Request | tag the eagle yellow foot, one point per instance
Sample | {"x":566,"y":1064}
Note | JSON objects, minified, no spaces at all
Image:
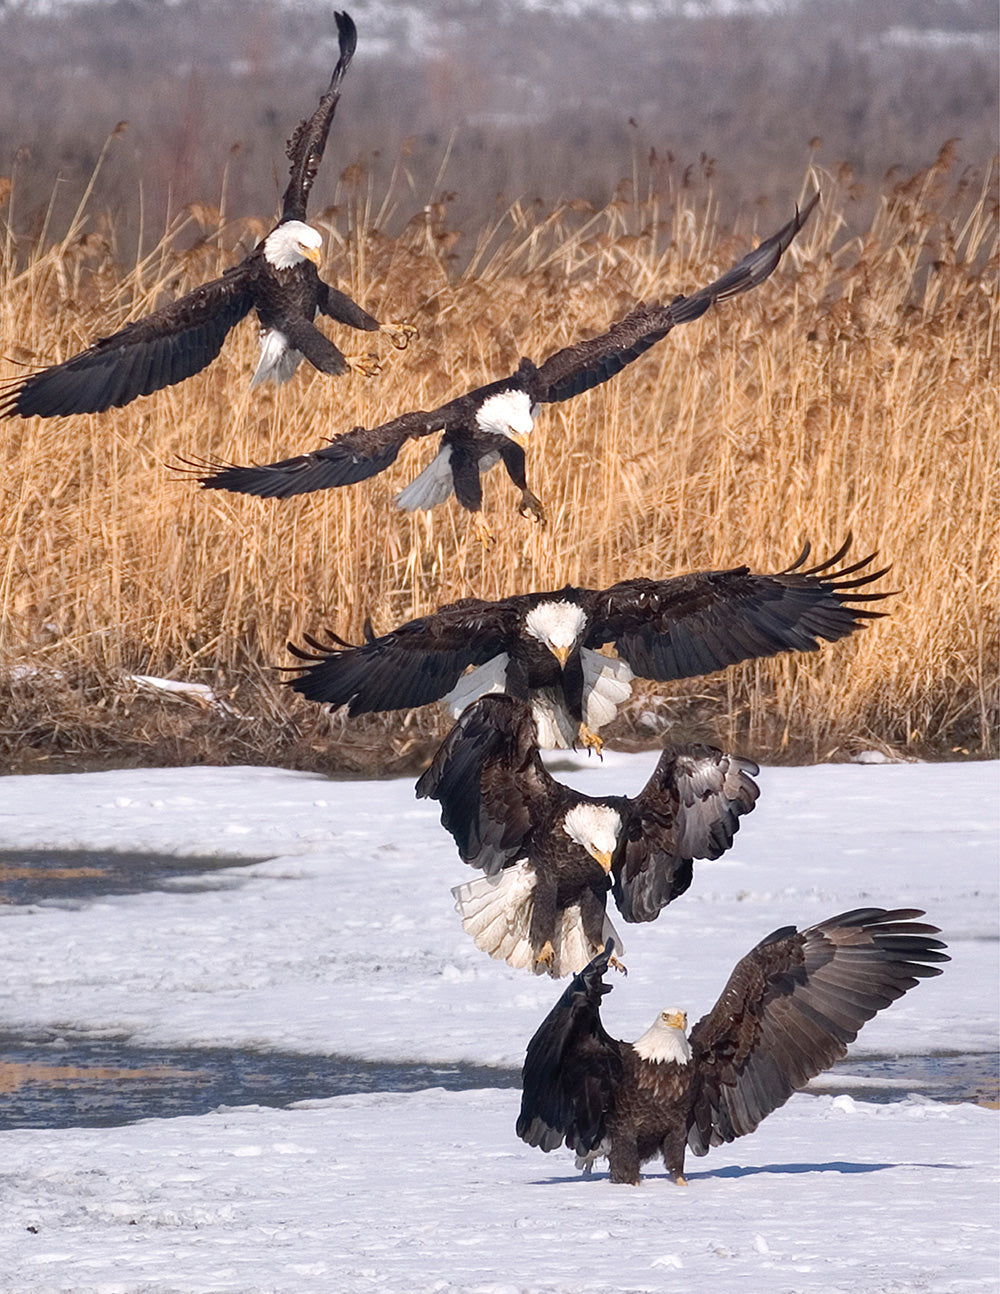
{"x":679,"y":1179}
{"x":546,"y":954}
{"x":400,"y":334}
{"x":483,"y":533}
{"x":368,"y":365}
{"x":591,"y":740}
{"x":613,"y":961}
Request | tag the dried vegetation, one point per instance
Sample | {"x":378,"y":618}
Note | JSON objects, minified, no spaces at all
{"x":855,"y":391}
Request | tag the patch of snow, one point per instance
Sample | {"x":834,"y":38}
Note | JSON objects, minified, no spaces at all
{"x":345,"y":941}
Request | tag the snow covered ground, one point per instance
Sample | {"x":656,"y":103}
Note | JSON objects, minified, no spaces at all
{"x":344,"y":941}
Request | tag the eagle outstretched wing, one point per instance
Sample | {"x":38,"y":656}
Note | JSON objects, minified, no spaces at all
{"x":490,"y":781}
{"x":587,"y":364}
{"x":701,"y":622}
{"x":572,"y":1068}
{"x":347,"y":459}
{"x":690,"y":808}
{"x":415,"y":664}
{"x":167,"y":346}
{"x":305,"y":148}
{"x":790,"y":1008}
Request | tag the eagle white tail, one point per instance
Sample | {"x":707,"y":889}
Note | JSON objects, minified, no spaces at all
{"x":607,"y":683}
{"x":278,"y":361}
{"x":490,"y":677}
{"x":556,"y":730}
{"x":496,"y":912}
{"x":431,"y":487}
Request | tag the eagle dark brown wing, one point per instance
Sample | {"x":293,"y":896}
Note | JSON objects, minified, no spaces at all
{"x":587,"y":364}
{"x":791,"y":1007}
{"x":572,"y":1068}
{"x":305,"y":148}
{"x":415,"y":664}
{"x":698,"y":623}
{"x":349,"y":458}
{"x":490,"y":781}
{"x":690,"y":808}
{"x":165,"y":347}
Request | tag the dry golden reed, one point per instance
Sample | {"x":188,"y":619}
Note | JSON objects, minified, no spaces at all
{"x":855,"y":391}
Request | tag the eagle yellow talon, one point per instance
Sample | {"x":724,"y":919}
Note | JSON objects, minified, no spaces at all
{"x":591,"y":741}
{"x":368,"y":365}
{"x":546,"y":953}
{"x":613,"y":961}
{"x":484,"y":534}
{"x":400,"y":334}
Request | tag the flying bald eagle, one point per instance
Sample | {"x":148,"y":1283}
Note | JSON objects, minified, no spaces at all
{"x":788,"y":1012}
{"x":278,"y":280}
{"x":551,"y":854}
{"x":493,"y":423}
{"x":542,"y":647}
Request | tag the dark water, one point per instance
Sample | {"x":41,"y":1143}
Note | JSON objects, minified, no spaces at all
{"x":99,"y":1082}
{"x":82,"y":1081}
{"x":73,"y":877}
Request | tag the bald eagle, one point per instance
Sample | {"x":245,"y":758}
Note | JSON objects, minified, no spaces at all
{"x":493,"y":423}
{"x":542,"y":647}
{"x":278,"y":280}
{"x":788,"y":1012}
{"x":551,"y":854}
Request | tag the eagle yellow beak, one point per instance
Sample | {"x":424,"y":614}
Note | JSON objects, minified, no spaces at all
{"x":313,"y":254}
{"x":560,"y":653}
{"x":676,"y":1020}
{"x":520,"y":439}
{"x":603,"y":856}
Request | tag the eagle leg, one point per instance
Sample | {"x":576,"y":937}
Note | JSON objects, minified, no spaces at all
{"x":613,"y":961}
{"x":623,"y":1161}
{"x":531,"y":506}
{"x":400,"y":334}
{"x":590,"y":740}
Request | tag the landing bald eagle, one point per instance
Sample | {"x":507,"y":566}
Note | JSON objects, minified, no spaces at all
{"x":788,"y":1012}
{"x":493,"y":422}
{"x":551,"y":854}
{"x":278,"y":280}
{"x":542,"y":647}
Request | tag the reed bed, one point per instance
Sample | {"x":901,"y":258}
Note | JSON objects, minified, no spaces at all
{"x":854,"y":392}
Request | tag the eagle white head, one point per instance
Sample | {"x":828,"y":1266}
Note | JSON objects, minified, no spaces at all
{"x":666,"y":1038}
{"x":508,"y":413}
{"x":596,"y":827}
{"x":291,"y":243}
{"x":559,"y":625}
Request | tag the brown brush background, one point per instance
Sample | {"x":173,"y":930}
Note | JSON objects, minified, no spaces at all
{"x":854,"y":391}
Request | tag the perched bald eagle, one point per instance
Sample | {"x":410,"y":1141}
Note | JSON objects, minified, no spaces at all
{"x":788,"y":1012}
{"x":542,"y":647}
{"x":551,"y":854}
{"x":278,"y":280}
{"x":493,"y":423}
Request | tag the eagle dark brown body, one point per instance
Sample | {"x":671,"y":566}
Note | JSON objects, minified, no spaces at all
{"x":185,"y":336}
{"x":790,"y":1008}
{"x":491,"y":423}
{"x":566,"y":850}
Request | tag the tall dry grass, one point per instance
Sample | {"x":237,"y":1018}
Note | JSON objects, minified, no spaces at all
{"x":855,"y":391}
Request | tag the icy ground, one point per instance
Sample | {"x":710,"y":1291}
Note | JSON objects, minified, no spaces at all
{"x":344,"y":942}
